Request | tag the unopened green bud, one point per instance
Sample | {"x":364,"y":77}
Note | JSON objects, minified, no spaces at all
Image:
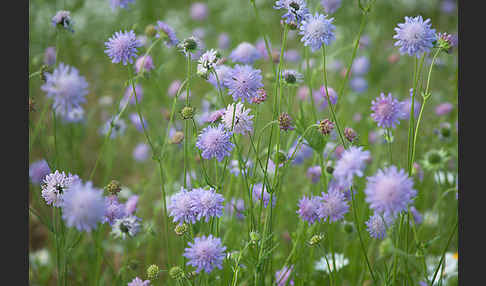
{"x":150,"y":30}
{"x":316,"y":239}
{"x":181,"y":229}
{"x":348,"y":227}
{"x":114,"y":187}
{"x":187,"y":112}
{"x":254,"y":237}
{"x":153,"y":272}
{"x":176,"y":273}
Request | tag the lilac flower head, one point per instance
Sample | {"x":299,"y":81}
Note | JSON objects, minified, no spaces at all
{"x":317,"y":30}
{"x":389,"y":191}
{"x":207,"y":204}
{"x":333,"y":206}
{"x":262,"y":48}
{"x":245,"y":53}
{"x":292,"y":56}
{"x":66,"y":87}
{"x":283,"y":275}
{"x":205,"y":253}
{"x":180,"y":207}
{"x":448,"y":6}
{"x":214,"y":142}
{"x":131,"y":204}
{"x":238,"y":118}
{"x":83,"y":206}
{"x":302,"y":153}
{"x":222,"y":71}
{"x":296,"y":10}
{"x":122,"y":47}
{"x":215,"y":115}
{"x":243,"y":82}
{"x":358,"y":84}
{"x":223,"y":41}
{"x":377,"y":225}
{"x":314,"y":173}
{"x":56,"y":185}
{"x":257,"y":195}
{"x":387,"y":111}
{"x":127,"y":226}
{"x":120,"y":4}
{"x":320,"y":97}
{"x":139,"y":282}
{"x":330,"y":6}
{"x":351,"y":163}
{"x":308,"y":209}
{"x":118,"y":128}
{"x":114,"y":209}
{"x":199,"y":11}
{"x":38,"y":171}
{"x":144,"y":64}
{"x":135,"y":119}
{"x":360,"y":66}
{"x":141,"y":152}
{"x":129,"y":96}
{"x":208,"y":62}
{"x":236,"y":207}
{"x":444,"y":108}
{"x":166,"y":31}
{"x":50,"y":56}
{"x":407,"y":104}
{"x":415,"y":36}
{"x":63,"y":19}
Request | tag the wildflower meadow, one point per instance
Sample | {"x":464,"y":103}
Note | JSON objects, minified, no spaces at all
{"x":243,"y":142}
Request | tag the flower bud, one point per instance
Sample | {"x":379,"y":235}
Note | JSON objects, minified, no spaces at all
{"x":316,"y":239}
{"x":181,"y":229}
{"x":114,"y":187}
{"x":153,"y":272}
{"x":326,"y":126}
{"x":176,"y":273}
{"x":187,"y":112}
{"x":150,"y":30}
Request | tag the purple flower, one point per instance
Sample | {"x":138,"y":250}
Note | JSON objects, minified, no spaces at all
{"x":122,"y":47}
{"x":415,"y":36}
{"x":314,"y":173}
{"x":131,"y":204}
{"x":56,"y":185}
{"x":66,"y":87}
{"x":243,"y":82}
{"x":296,"y":10}
{"x":139,"y":282}
{"x":258,"y":196}
{"x":333,"y":206}
{"x":308,"y":209}
{"x":135,"y":119}
{"x":237,"y":207}
{"x":223,"y":41}
{"x":245,"y":53}
{"x":129,"y":96}
{"x":141,"y":152}
{"x":205,"y":253}
{"x":320,"y":97}
{"x":351,"y":163}
{"x":120,"y":4}
{"x":387,"y":111}
{"x":444,"y":108}
{"x":261,"y":47}
{"x":330,"y":6}
{"x":38,"y":171}
{"x":377,"y":225}
{"x":180,"y":207}
{"x":222,"y":72}
{"x":83,"y":206}
{"x":173,"y":88}
{"x":360,"y":66}
{"x":358,"y":84}
{"x":63,"y":19}
{"x":417,"y":217}
{"x":282,"y":276}
{"x":407,"y":104}
{"x":50,"y":56}
{"x":214,"y":142}
{"x":199,"y":11}
{"x":238,"y":119}
{"x":292,"y":56}
{"x":114,"y":209}
{"x":144,"y":63}
{"x":448,"y":6}
{"x":389,"y":191}
{"x":317,"y":30}
{"x":168,"y":33}
{"x":207,"y":204}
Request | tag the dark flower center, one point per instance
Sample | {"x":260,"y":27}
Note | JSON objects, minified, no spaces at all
{"x":434,"y":158}
{"x":290,"y":78}
{"x":124,"y":228}
{"x":295,"y":6}
{"x":445,"y":132}
{"x":59,"y":189}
